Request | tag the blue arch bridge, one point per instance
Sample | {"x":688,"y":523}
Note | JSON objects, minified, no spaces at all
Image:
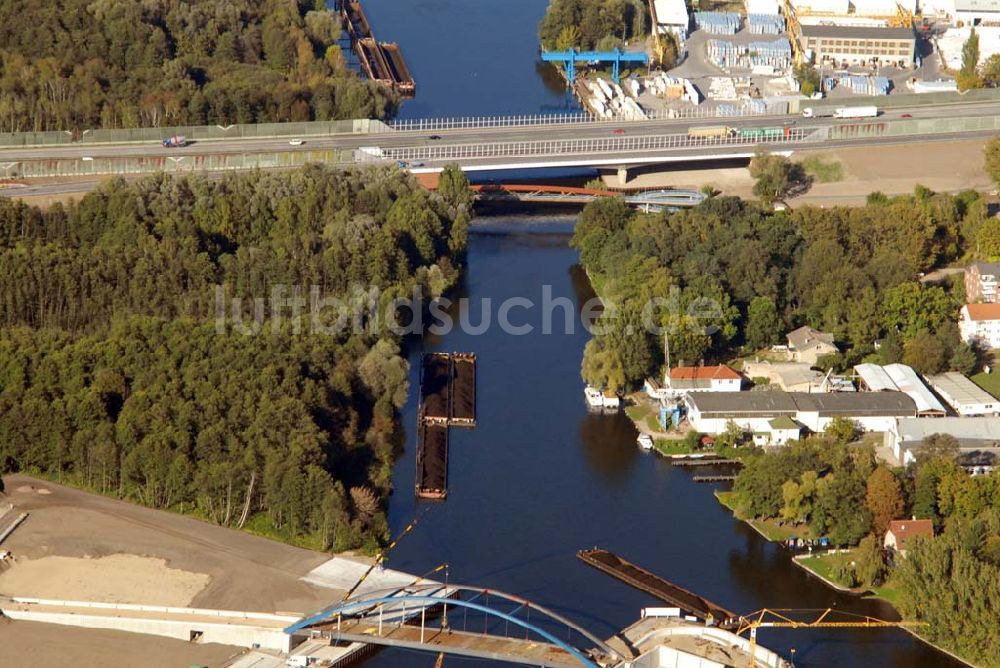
{"x":464,"y":620}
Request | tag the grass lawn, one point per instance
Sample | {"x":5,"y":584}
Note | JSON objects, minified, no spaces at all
{"x":667,"y":446}
{"x":889,"y":591}
{"x":823,"y":170}
{"x":989,"y":382}
{"x":772,"y":529}
{"x":823,"y":564}
{"x":728,"y":499}
{"x":639,"y":412}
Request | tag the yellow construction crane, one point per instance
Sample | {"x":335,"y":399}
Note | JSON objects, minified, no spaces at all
{"x":809,"y":619}
{"x":794,"y":32}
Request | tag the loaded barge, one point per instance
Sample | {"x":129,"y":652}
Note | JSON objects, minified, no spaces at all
{"x":447,"y":398}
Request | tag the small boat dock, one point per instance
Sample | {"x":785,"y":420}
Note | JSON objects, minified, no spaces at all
{"x":713,"y":478}
{"x":447,"y":399}
{"x":705,"y":461}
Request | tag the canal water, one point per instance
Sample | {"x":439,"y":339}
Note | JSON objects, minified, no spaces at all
{"x":539,"y":478}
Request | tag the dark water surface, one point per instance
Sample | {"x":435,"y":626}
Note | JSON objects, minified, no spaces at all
{"x":539,"y":478}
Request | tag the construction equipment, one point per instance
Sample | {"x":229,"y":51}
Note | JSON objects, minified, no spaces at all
{"x":809,"y":619}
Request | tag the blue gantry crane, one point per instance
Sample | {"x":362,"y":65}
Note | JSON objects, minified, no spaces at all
{"x":570,"y":58}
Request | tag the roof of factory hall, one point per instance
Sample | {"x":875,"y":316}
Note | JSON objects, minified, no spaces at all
{"x":857,"y":32}
{"x":775,"y":403}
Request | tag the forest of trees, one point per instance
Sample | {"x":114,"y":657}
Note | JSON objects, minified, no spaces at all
{"x":840,"y":491}
{"x":116,"y":375}
{"x":850,"y":271}
{"x":592,"y":24}
{"x":78,"y":64}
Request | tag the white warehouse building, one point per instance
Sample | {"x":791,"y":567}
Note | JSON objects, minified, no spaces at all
{"x":900,"y":378}
{"x":672,"y":17}
{"x":972,"y":433}
{"x":964,"y":396}
{"x":711,"y":412}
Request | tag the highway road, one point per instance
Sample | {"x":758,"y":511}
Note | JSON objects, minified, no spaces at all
{"x":593,"y":130}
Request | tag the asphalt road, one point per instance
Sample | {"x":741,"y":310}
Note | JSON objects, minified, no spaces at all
{"x":457,"y":137}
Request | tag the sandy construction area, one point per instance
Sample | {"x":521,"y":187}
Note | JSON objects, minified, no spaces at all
{"x":117,"y":578}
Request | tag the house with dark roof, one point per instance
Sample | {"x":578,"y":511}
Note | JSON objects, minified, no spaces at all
{"x":807,"y":345}
{"x":900,"y":533}
{"x":711,"y":412}
{"x":981,"y":282}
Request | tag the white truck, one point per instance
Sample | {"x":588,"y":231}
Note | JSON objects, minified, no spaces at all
{"x":840,"y":112}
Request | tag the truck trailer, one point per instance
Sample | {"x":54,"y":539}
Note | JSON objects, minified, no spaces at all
{"x":855,"y":112}
{"x":710,"y":131}
{"x":175,"y":141}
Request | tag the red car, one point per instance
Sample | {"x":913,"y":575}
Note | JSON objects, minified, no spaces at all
{"x":619,"y":131}
{"x":906,"y":116}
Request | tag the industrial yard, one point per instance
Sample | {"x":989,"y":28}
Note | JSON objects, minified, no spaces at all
{"x":759,"y":56}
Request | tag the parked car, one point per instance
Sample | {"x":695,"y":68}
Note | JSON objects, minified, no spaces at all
{"x":434,"y":137}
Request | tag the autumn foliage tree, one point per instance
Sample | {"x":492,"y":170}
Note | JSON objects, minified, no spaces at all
{"x":884,"y":499}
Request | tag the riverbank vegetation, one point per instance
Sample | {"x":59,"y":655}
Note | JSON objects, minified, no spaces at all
{"x":78,"y":64}
{"x":731,"y":276}
{"x":592,"y":24}
{"x":127,"y":365}
{"x":835,"y":490}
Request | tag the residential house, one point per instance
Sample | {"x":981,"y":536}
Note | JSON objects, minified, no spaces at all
{"x":980,"y":323}
{"x":807,"y":345}
{"x":683,"y":379}
{"x":981,"y":282}
{"x":779,"y":431}
{"x":900,"y":534}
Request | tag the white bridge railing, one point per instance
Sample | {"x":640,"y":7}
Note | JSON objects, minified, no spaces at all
{"x":605,"y":145}
{"x":571,"y":118}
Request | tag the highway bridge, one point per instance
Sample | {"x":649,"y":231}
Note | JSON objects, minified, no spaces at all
{"x":499,"y":145}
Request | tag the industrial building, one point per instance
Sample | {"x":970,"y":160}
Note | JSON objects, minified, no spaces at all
{"x":900,"y":378}
{"x":965,"y":397}
{"x":711,"y":412}
{"x":672,"y":17}
{"x":702,"y":379}
{"x":858,"y":44}
{"x":906,"y":435}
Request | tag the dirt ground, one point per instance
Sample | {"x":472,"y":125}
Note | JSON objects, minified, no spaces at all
{"x":116,"y":578}
{"x":136,"y":555}
{"x":893,"y":169}
{"x":243,"y":572}
{"x":37,"y":644}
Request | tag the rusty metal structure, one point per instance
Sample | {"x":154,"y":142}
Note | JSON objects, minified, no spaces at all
{"x":381,"y":62}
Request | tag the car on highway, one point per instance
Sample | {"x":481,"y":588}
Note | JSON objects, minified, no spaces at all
{"x":434,"y":137}
{"x":416,"y":163}
{"x":619,"y":131}
{"x":296,"y":142}
{"x":906,"y":116}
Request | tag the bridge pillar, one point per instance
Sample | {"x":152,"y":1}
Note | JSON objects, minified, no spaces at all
{"x":623,"y":176}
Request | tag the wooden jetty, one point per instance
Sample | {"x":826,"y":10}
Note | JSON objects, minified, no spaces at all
{"x":654,"y":585}
{"x":713,"y":478}
{"x":706,"y":461}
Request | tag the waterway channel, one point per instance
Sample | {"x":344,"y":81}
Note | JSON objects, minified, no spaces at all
{"x":539,"y":478}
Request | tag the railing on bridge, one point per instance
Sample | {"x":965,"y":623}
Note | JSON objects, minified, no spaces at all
{"x":463,"y":620}
{"x":534,"y":120}
{"x":604,"y":145}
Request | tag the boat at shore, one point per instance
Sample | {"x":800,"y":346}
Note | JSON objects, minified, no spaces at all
{"x":645,"y":441}
{"x":595,"y":398}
